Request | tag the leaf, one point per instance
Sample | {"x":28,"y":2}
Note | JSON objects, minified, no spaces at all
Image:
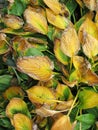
{"x":22,"y":122}
{"x":86,"y":118}
{"x":16,"y":105}
{"x":88,"y":99}
{"x":89,"y":27}
{"x":44,"y":112}
{"x":63,"y":92}
{"x":18,"y":7}
{"x":69,"y":42}
{"x":91,"y":4}
{"x":62,"y":123}
{"x":39,"y":67}
{"x":4,"y":48}
{"x":59,"y":54}
{"x":36,"y":20}
{"x":90,"y":46}
{"x":5,"y":81}
{"x":80,"y":3}
{"x":55,"y":6}
{"x":57,"y":20}
{"x":13,"y":21}
{"x":13,"y":92}
{"x":40,"y":95}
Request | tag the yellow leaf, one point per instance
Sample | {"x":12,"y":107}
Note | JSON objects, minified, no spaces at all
{"x":90,"y":46}
{"x":63,"y":123}
{"x":69,"y":42}
{"x":22,"y":122}
{"x":56,"y":20}
{"x":37,"y":67}
{"x":40,"y":95}
{"x":13,"y":91}
{"x":36,"y":20}
{"x":58,"y":52}
{"x":16,"y":105}
{"x":89,"y":27}
{"x":13,"y":21}
{"x":80,"y":3}
{"x":91,"y":4}
{"x":55,"y":6}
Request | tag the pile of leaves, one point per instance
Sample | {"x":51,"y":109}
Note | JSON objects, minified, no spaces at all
{"x":49,"y":65}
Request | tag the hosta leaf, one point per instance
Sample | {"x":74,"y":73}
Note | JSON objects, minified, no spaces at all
{"x":91,"y":4}
{"x":13,"y":21}
{"x":59,"y":54}
{"x":88,"y":99}
{"x":36,"y":20}
{"x":22,"y":122}
{"x":90,"y":46}
{"x":40,"y":95}
{"x":16,"y":105}
{"x":3,"y":44}
{"x":63,"y":92}
{"x":13,"y":92}
{"x":57,"y":20}
{"x":55,"y":6}
{"x":62,"y":123}
{"x":37,"y":67}
{"x":69,"y":42}
{"x":89,"y":27}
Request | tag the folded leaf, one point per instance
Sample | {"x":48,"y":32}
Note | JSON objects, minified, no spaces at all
{"x":22,"y":122}
{"x":13,"y":92}
{"x":40,"y":95}
{"x":57,"y":20}
{"x":13,"y":21}
{"x":69,"y":42}
{"x":88,"y":98}
{"x":63,"y":123}
{"x":16,"y":105}
{"x":36,"y":20}
{"x":58,"y":52}
{"x":37,"y":67}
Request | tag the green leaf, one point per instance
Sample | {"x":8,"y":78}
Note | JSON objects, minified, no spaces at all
{"x":87,"y":118}
{"x":5,"y":81}
{"x":33,"y":52}
{"x":82,"y":126}
{"x":18,"y":7}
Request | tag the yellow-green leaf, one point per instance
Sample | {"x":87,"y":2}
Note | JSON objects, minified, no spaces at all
{"x":16,"y":105}
{"x":40,"y":95}
{"x":36,"y":20}
{"x":37,"y":67}
{"x":22,"y":122}
{"x":57,"y":20}
{"x":13,"y":91}
{"x":70,"y":44}
{"x":59,"y":54}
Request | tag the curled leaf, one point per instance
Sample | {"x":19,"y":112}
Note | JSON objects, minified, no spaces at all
{"x":58,"y":52}
{"x":13,"y":92}
{"x":13,"y":21}
{"x":57,"y":20}
{"x":16,"y":105}
{"x":40,"y":95}
{"x":69,"y":42}
{"x":37,"y":67}
{"x":22,"y":122}
{"x":63,"y":123}
{"x":36,"y":20}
